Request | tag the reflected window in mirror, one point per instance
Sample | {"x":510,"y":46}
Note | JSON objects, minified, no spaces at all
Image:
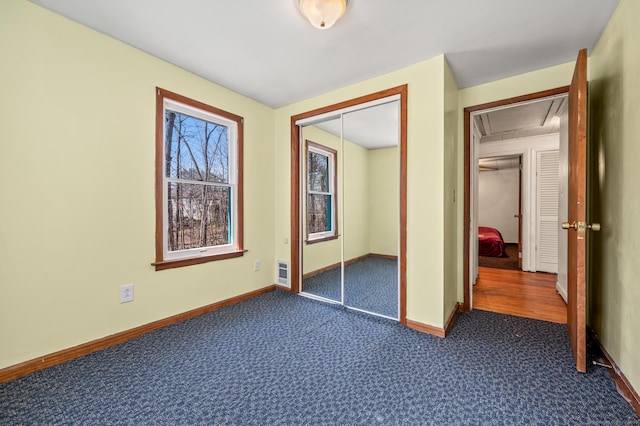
{"x":322,"y":218}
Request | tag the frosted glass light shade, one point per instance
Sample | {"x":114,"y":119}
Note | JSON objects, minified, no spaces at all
{"x":323,"y":13}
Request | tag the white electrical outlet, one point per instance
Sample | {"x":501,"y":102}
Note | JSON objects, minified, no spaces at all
{"x":256,"y":266}
{"x":126,"y":293}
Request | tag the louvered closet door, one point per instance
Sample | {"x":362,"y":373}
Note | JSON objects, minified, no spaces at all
{"x":547,"y":186}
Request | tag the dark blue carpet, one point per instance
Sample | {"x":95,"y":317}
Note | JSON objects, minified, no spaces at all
{"x":370,"y":284}
{"x":281,"y":359}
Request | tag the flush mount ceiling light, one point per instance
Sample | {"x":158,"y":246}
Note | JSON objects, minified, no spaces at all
{"x":323,"y":13}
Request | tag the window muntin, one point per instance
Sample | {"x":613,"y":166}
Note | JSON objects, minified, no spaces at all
{"x":200,"y":181}
{"x":321,"y":192}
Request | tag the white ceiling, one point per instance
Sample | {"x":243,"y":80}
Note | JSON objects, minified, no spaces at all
{"x":372,"y":128}
{"x":266,"y":50}
{"x":532,"y":118}
{"x":499,"y":163}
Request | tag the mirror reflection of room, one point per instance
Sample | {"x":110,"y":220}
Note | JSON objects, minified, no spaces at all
{"x":372,"y":206}
{"x":350,"y":250}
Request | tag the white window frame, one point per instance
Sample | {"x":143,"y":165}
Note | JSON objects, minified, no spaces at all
{"x":313,"y":147}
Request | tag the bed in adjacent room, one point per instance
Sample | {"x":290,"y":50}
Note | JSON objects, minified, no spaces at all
{"x":490,"y":242}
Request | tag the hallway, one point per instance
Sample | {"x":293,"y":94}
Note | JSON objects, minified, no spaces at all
{"x":524,"y":294}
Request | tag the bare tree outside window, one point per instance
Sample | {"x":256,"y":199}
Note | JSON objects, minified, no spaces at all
{"x":197,"y":171}
{"x":318,"y":204}
{"x":321,"y":187}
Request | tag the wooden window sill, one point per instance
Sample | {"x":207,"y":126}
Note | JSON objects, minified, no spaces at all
{"x":319,"y":240}
{"x":178,"y":263}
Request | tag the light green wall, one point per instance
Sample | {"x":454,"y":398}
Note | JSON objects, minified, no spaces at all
{"x":614,"y":117}
{"x":384,"y":201}
{"x":77,"y":187}
{"x":355,"y":200}
{"x":452,"y":239}
{"x":531,"y":82}
{"x":425,"y":184}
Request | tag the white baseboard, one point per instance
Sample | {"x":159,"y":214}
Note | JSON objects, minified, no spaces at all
{"x":562,"y":292}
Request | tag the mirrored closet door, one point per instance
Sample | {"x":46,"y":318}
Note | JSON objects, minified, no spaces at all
{"x":350,"y":184}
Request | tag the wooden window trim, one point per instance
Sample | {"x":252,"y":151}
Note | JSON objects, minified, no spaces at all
{"x":334,"y":207}
{"x":238,"y":249}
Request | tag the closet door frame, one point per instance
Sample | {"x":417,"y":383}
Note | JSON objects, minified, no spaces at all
{"x":296,"y":219}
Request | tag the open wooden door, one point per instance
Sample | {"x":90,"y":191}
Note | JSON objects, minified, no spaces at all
{"x":576,"y":225}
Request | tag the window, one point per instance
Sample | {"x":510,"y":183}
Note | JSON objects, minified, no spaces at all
{"x":198,"y":182}
{"x":322,"y":221}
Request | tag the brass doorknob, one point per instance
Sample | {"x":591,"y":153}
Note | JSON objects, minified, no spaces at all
{"x":580,"y":226}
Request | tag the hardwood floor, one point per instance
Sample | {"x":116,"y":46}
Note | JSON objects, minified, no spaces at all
{"x":524,"y":294}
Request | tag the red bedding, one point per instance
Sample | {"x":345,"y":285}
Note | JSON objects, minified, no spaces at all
{"x":490,"y":242}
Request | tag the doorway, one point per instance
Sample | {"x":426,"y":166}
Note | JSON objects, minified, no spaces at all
{"x":511,"y":135}
{"x":348,"y":205}
{"x":498,"y":212}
